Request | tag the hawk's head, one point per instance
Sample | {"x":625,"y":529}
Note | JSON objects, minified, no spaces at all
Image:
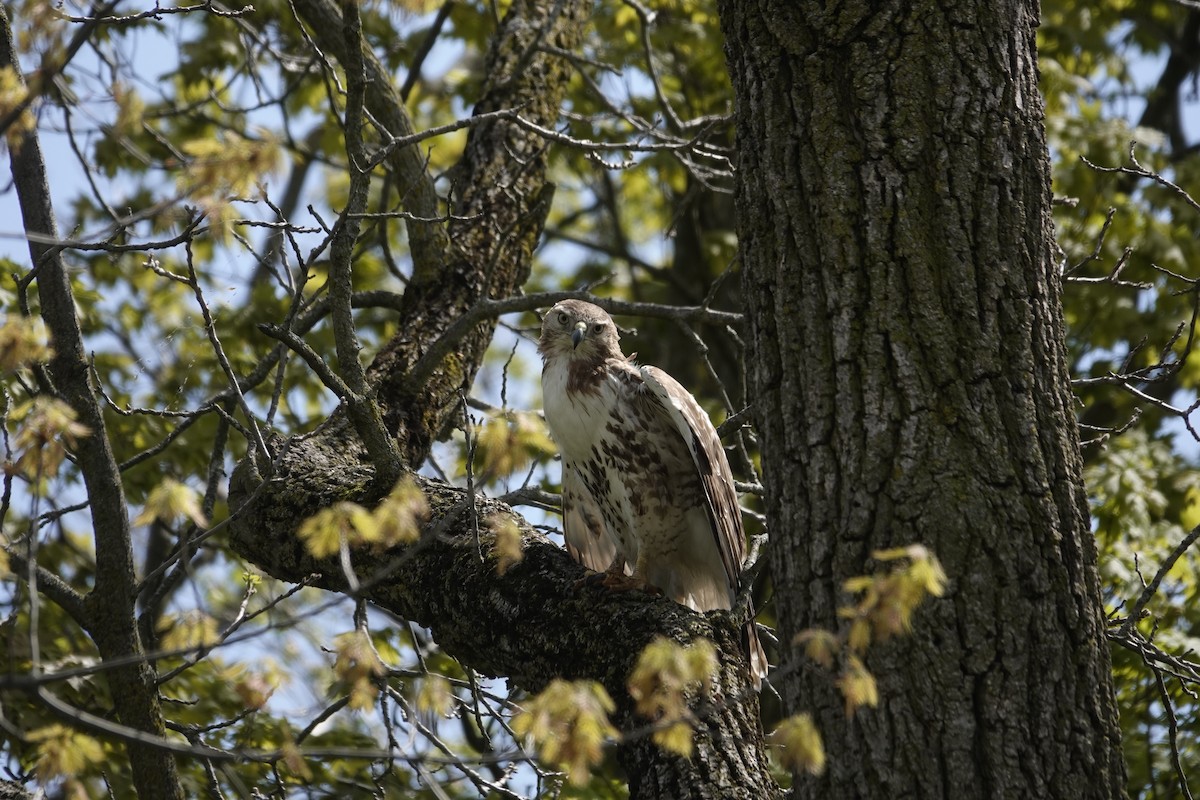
{"x":577,"y":330}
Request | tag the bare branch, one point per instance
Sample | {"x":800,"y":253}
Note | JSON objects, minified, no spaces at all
{"x":428,"y":241}
{"x":360,"y":407}
{"x":1172,"y":733}
{"x":157,"y":13}
{"x":1135,"y":611}
{"x":1136,"y":170}
{"x":488,"y":309}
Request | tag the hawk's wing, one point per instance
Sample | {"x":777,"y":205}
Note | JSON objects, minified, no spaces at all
{"x":721,"y":497}
{"x":588,"y":539}
{"x":709,"y":457}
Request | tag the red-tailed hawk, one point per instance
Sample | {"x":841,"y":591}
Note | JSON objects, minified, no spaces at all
{"x":646,"y":487}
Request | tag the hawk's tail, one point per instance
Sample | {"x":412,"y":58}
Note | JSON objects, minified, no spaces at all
{"x":754,"y":650}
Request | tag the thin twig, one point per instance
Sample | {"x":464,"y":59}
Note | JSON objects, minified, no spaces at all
{"x":468,"y":427}
{"x":1172,"y":733}
{"x":486,"y":309}
{"x":1135,"y":611}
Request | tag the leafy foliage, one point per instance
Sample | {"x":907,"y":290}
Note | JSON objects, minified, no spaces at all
{"x":665,"y":675}
{"x":567,"y":722}
{"x":799,"y":747}
{"x":509,"y":545}
{"x":47,"y":427}
{"x":885,"y":604}
{"x":63,"y":752}
{"x":396,"y":520}
{"x":170,"y":501}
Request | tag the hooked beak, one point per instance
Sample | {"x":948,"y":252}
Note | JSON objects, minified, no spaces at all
{"x":577,"y":334}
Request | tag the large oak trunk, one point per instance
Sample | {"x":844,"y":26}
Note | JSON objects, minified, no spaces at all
{"x":907,"y":355}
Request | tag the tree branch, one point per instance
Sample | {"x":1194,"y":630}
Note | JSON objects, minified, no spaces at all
{"x":360,"y":407}
{"x":534,"y":623}
{"x":428,"y":240}
{"x":490,"y":309}
{"x":1139,"y":605}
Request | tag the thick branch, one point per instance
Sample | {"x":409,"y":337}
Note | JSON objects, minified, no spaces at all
{"x":361,"y":410}
{"x":534,"y":623}
{"x":501,"y":197}
{"x":1163,"y":105}
{"x":427,"y":239}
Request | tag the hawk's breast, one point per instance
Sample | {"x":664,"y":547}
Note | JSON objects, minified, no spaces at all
{"x":576,"y":418}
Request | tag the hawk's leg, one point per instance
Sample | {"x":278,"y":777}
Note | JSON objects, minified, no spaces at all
{"x":614,"y":579}
{"x":614,"y":571}
{"x":618,"y":581}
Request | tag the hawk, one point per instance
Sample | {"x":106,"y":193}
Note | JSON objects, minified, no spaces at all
{"x":646,"y":488}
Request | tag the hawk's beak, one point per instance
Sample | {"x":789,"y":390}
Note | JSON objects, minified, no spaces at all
{"x":577,"y":334}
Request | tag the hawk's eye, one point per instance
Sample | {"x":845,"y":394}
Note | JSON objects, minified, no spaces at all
{"x":598,"y":327}
{"x":562,"y":318}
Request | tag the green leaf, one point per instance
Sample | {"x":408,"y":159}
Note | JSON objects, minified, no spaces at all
{"x":567,"y":723}
{"x":798,"y":745}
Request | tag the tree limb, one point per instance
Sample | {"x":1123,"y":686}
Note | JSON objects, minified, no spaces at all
{"x":532,"y":623}
{"x":535,"y":623}
{"x":427,"y":240}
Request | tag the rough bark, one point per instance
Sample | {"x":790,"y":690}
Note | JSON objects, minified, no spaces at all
{"x":10,"y":790}
{"x":532,"y":623}
{"x":908,"y":360}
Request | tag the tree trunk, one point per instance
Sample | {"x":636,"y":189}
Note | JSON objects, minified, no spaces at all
{"x":108,"y":610}
{"x":907,"y":355}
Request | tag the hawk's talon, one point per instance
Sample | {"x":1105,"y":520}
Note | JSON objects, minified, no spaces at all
{"x":618,"y":582}
{"x":591,"y":579}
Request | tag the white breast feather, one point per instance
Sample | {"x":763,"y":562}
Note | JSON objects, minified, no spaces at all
{"x":577,"y":426}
